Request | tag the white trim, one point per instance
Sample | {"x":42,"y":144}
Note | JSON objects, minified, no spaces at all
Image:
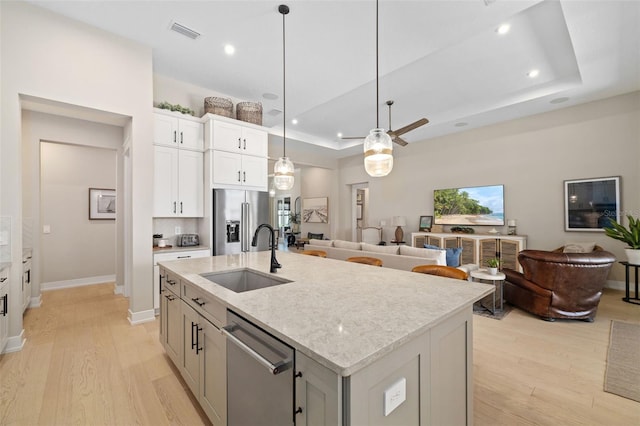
{"x":15,"y":343}
{"x":118,"y":289}
{"x":54,"y":285}
{"x":616,"y":285}
{"x":141,"y":317}
{"x":36,"y":301}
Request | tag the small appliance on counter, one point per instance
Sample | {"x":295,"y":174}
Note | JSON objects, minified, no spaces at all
{"x":188,"y":240}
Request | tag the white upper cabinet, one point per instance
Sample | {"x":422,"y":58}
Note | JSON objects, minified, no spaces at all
{"x":185,"y":133}
{"x":240,"y":139}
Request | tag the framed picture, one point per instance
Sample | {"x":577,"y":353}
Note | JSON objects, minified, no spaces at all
{"x":102,"y":204}
{"x":358,"y":211}
{"x":589,"y":204}
{"x":425,"y":223}
{"x":315,"y":210}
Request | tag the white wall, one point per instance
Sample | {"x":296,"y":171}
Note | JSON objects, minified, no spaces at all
{"x":530,"y":156}
{"x":317,"y":182}
{"x":76,"y":248}
{"x":51,"y":57}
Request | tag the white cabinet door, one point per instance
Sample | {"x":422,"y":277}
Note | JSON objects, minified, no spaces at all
{"x":190,"y":184}
{"x":255,"y":142}
{"x":4,"y":306}
{"x":227,"y":168}
{"x":227,"y":137}
{"x":190,"y":135}
{"x":254,"y":172}
{"x":165,"y":182}
{"x":174,"y":341}
{"x":165,"y":130}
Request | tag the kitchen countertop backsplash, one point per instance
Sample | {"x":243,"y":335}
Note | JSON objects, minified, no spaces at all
{"x":168,"y":226}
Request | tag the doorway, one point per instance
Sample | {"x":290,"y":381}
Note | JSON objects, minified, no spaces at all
{"x":359,"y":209}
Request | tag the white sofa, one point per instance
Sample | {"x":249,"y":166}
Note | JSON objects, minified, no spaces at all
{"x":392,"y":256}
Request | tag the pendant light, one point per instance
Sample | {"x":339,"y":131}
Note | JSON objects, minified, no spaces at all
{"x":378,"y":147}
{"x":283,"y":169}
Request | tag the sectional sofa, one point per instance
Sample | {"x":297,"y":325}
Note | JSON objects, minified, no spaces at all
{"x":392,"y":256}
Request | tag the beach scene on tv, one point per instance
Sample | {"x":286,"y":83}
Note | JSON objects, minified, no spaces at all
{"x":479,"y":205}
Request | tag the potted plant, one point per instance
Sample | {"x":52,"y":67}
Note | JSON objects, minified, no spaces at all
{"x":493,"y":265}
{"x":630,"y":236}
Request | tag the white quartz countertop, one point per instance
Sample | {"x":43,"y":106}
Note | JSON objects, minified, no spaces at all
{"x":343,"y":315}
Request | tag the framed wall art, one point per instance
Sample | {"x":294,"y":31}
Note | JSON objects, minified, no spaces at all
{"x":315,"y":210}
{"x":426,"y":222}
{"x":102,"y":204}
{"x":589,"y":204}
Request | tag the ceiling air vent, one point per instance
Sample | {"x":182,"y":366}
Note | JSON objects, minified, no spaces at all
{"x":274,"y":112}
{"x":185,"y":31}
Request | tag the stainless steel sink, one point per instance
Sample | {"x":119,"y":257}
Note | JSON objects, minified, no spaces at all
{"x":242,"y":280}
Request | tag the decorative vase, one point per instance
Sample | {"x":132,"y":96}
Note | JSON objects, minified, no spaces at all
{"x":633,"y":256}
{"x":493,"y":271}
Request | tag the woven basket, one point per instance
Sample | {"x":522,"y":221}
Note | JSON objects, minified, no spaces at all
{"x":219,"y":106}
{"x":251,"y":112}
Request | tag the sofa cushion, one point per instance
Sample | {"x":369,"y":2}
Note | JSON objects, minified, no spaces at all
{"x":380,"y":249}
{"x":311,"y":235}
{"x":452,"y":254}
{"x":418,"y":252}
{"x":324,"y":243}
{"x":346,"y":244}
{"x":579,"y":247}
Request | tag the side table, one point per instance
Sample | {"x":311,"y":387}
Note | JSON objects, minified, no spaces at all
{"x":497,"y":280}
{"x":635,"y":300}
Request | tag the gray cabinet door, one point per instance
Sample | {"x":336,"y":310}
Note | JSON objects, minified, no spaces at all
{"x":213,"y":373}
{"x":318,"y":393}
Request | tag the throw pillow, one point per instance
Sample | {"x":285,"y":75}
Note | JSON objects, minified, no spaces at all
{"x":311,"y":235}
{"x":438,"y":255}
{"x":380,"y":249}
{"x":324,"y":243}
{"x":453,"y":256}
{"x":578,"y":247}
{"x":346,"y":245}
{"x":432,"y":247}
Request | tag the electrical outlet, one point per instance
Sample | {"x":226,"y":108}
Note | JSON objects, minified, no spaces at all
{"x":395,"y":395}
{"x":178,"y":230}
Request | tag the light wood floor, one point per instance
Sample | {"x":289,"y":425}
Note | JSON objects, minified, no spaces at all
{"x":83,"y":363}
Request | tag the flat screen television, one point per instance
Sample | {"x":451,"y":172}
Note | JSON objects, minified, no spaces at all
{"x":471,"y":206}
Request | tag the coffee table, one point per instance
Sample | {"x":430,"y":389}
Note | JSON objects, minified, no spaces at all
{"x":497,"y":280}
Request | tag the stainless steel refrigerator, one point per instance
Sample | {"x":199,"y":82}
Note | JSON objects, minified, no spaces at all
{"x":236,"y":215}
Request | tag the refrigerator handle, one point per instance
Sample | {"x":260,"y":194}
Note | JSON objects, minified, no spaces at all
{"x":245,"y":231}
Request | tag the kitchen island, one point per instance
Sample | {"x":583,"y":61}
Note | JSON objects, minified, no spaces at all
{"x":374,"y":345}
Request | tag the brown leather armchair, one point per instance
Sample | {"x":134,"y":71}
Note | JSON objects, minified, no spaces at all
{"x":559,"y":285}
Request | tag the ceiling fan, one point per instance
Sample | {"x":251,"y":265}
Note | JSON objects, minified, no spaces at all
{"x":395,"y":134}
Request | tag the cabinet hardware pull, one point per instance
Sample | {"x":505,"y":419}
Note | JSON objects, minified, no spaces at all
{"x":299,"y":410}
{"x":244,"y":176}
{"x":245,"y":143}
{"x":3,"y":279}
{"x":180,"y":207}
{"x":172,"y":282}
{"x":198,"y":301}
{"x":238,"y":175}
{"x":175,"y":136}
{"x":181,"y":138}
{"x":184,"y":257}
{"x":239,"y":141}
{"x":24,"y":261}
{"x":298,"y":374}
{"x":198,"y":330}
{"x":5,"y":305}
{"x":174,"y":206}
{"x":193,"y":343}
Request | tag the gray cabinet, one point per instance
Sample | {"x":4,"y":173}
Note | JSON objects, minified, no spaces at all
{"x":4,"y":308}
{"x":171,"y":332}
{"x":318,"y":393}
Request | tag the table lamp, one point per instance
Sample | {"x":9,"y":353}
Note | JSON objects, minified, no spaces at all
{"x":399,"y":221}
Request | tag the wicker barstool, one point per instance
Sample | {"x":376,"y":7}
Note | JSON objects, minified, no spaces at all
{"x":441,"y":271}
{"x":365,"y":260}
{"x":318,"y":253}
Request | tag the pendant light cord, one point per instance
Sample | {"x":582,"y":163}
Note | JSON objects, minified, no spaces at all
{"x":284,"y":87}
{"x":377,"y":78}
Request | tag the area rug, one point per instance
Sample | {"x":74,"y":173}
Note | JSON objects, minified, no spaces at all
{"x":622,"y":376}
{"x":483,"y":312}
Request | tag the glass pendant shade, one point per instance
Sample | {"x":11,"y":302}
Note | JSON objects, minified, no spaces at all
{"x":283,"y":174}
{"x":378,"y":153}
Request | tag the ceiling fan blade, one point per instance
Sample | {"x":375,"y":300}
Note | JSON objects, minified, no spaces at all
{"x":397,"y":139}
{"x":411,"y":126}
{"x":353,"y":137}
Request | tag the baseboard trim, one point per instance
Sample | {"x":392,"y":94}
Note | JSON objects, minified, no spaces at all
{"x":79,"y":282}
{"x":36,"y":301}
{"x":15,"y":343}
{"x":118,"y":289}
{"x":615,"y":285}
{"x":141,"y":317}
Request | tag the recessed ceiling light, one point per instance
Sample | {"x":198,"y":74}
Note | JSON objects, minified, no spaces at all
{"x":339,"y":135}
{"x":270,"y":96}
{"x":294,"y":121}
{"x":503,"y":29}
{"x":229,"y":49}
{"x":461,"y":124}
{"x":533,"y":73}
{"x":559,"y":100}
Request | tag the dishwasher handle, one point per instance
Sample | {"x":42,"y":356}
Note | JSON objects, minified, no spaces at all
{"x":277,"y":368}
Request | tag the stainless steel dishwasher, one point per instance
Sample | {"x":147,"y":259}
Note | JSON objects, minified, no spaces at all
{"x":260,"y":376}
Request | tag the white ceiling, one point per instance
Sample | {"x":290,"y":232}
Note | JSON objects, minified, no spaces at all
{"x":442,"y":60}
